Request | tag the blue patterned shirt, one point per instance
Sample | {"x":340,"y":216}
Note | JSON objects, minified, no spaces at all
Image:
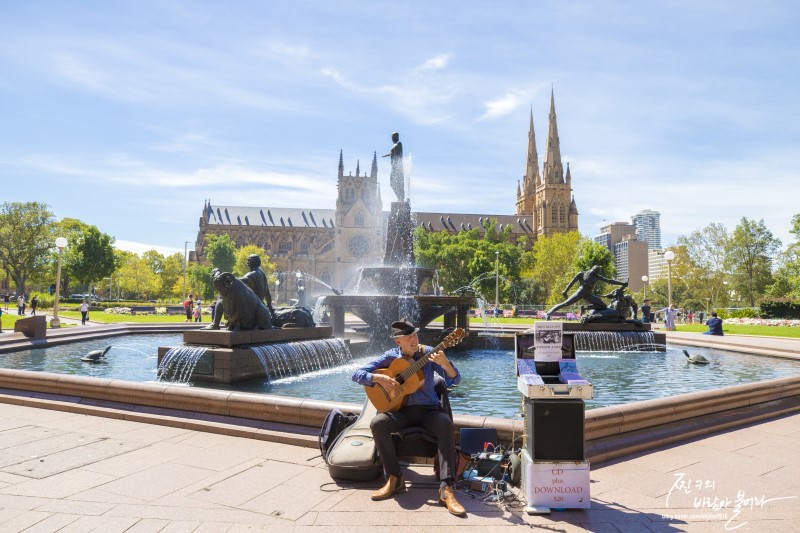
{"x":426,"y":395}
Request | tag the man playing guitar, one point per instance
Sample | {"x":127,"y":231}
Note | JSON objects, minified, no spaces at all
{"x":422,"y":408}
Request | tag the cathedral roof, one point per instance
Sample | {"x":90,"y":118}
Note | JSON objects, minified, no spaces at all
{"x":270,"y":216}
{"x":454,"y":222}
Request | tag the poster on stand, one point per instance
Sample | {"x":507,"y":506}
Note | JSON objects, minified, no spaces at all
{"x":547,"y":340}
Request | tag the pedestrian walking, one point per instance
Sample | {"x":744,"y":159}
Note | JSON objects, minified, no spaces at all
{"x":21,"y":305}
{"x":34,"y":304}
{"x":197,"y":310}
{"x":84,"y":312}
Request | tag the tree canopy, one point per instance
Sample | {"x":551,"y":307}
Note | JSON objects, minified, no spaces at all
{"x":26,"y":238}
{"x":221,"y":251}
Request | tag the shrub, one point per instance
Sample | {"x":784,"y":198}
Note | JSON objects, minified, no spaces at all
{"x":780,"y":308}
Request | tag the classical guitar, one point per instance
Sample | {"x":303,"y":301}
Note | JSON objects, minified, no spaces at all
{"x":409,"y":374}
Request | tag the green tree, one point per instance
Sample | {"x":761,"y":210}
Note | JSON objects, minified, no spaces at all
{"x":172,"y":274}
{"x":706,"y":259}
{"x":471,"y":259}
{"x":200,"y":281}
{"x":135,"y":277}
{"x":221,"y":251}
{"x":786,"y":278}
{"x":92,"y":256}
{"x":240,"y":267}
{"x":26,"y":238}
{"x":71,"y":229}
{"x":750,"y":253}
{"x":554,"y":263}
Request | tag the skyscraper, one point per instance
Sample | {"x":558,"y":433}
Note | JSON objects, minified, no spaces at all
{"x":648,"y":227}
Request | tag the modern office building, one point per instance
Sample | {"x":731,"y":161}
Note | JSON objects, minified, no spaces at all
{"x":656,"y":264}
{"x":648,"y":227}
{"x":630,"y":260}
{"x":630,"y":253}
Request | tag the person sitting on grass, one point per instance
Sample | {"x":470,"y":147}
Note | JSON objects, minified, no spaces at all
{"x":714,"y":325}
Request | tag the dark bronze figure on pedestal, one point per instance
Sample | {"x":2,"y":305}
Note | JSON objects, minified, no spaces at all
{"x":256,"y":281}
{"x":397,"y":177}
{"x":587,"y":280}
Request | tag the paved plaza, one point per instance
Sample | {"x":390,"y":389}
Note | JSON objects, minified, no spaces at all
{"x":71,"y":472}
{"x":64,"y":468}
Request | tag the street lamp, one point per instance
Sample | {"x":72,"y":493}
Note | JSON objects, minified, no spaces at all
{"x":669,"y":256}
{"x":496,"y":281}
{"x":645,"y":279}
{"x":61,"y":243}
{"x":185,"y":264}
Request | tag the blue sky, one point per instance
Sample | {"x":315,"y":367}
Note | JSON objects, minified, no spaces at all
{"x":128,"y":115}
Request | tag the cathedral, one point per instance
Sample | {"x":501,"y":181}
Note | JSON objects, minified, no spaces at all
{"x":330,"y":245}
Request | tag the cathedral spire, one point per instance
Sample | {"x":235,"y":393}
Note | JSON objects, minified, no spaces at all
{"x":532,"y":161}
{"x":341,"y":165}
{"x":569,"y":176}
{"x":553,"y":168}
{"x":374,"y":172}
{"x":358,"y":167}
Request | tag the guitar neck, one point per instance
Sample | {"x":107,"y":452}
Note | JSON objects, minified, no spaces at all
{"x":419,"y":363}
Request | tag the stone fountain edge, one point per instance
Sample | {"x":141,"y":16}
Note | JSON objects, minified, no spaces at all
{"x":611,"y":432}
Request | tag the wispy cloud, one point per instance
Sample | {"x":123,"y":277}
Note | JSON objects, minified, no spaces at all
{"x":508,"y":103}
{"x":161,"y":74}
{"x":437,"y":62}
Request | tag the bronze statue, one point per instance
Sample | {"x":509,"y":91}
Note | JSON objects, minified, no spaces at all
{"x":587,"y":280}
{"x":397,"y":178}
{"x":244,"y":310}
{"x":256,"y":280}
{"x":622,"y":308}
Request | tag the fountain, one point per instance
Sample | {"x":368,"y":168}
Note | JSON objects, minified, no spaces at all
{"x":252,"y":346}
{"x":610,"y":326}
{"x":387,"y":292}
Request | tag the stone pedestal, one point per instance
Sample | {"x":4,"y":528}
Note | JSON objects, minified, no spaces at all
{"x":229,"y":358}
{"x":34,"y":327}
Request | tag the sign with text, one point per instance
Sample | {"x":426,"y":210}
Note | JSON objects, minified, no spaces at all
{"x":547,"y":340}
{"x":559,"y":484}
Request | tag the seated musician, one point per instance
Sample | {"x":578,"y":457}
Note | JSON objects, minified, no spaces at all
{"x":421,"y":409}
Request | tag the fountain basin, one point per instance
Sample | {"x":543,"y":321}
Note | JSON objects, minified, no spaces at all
{"x":222,"y":356}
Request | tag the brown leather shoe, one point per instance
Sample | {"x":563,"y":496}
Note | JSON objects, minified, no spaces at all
{"x":448,"y":498}
{"x":394,"y":485}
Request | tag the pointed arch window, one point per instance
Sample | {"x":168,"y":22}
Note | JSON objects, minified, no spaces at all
{"x":358,"y":218}
{"x":285,"y":246}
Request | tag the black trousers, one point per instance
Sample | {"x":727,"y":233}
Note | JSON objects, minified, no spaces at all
{"x":430,"y":417}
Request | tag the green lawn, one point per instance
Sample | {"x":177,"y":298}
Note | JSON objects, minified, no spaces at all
{"x":741,"y":329}
{"x":9,"y":319}
{"x":109,"y":318}
{"x":730,"y":329}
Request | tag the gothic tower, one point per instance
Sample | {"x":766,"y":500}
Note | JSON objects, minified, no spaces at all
{"x":555,"y":210}
{"x":359,"y":220}
{"x":526,"y":195}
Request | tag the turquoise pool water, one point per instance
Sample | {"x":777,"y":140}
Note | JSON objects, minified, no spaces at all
{"x":488,"y":387}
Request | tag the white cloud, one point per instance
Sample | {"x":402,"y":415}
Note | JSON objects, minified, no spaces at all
{"x":437,"y":62}
{"x":507,"y":103}
{"x":140,"y":248}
